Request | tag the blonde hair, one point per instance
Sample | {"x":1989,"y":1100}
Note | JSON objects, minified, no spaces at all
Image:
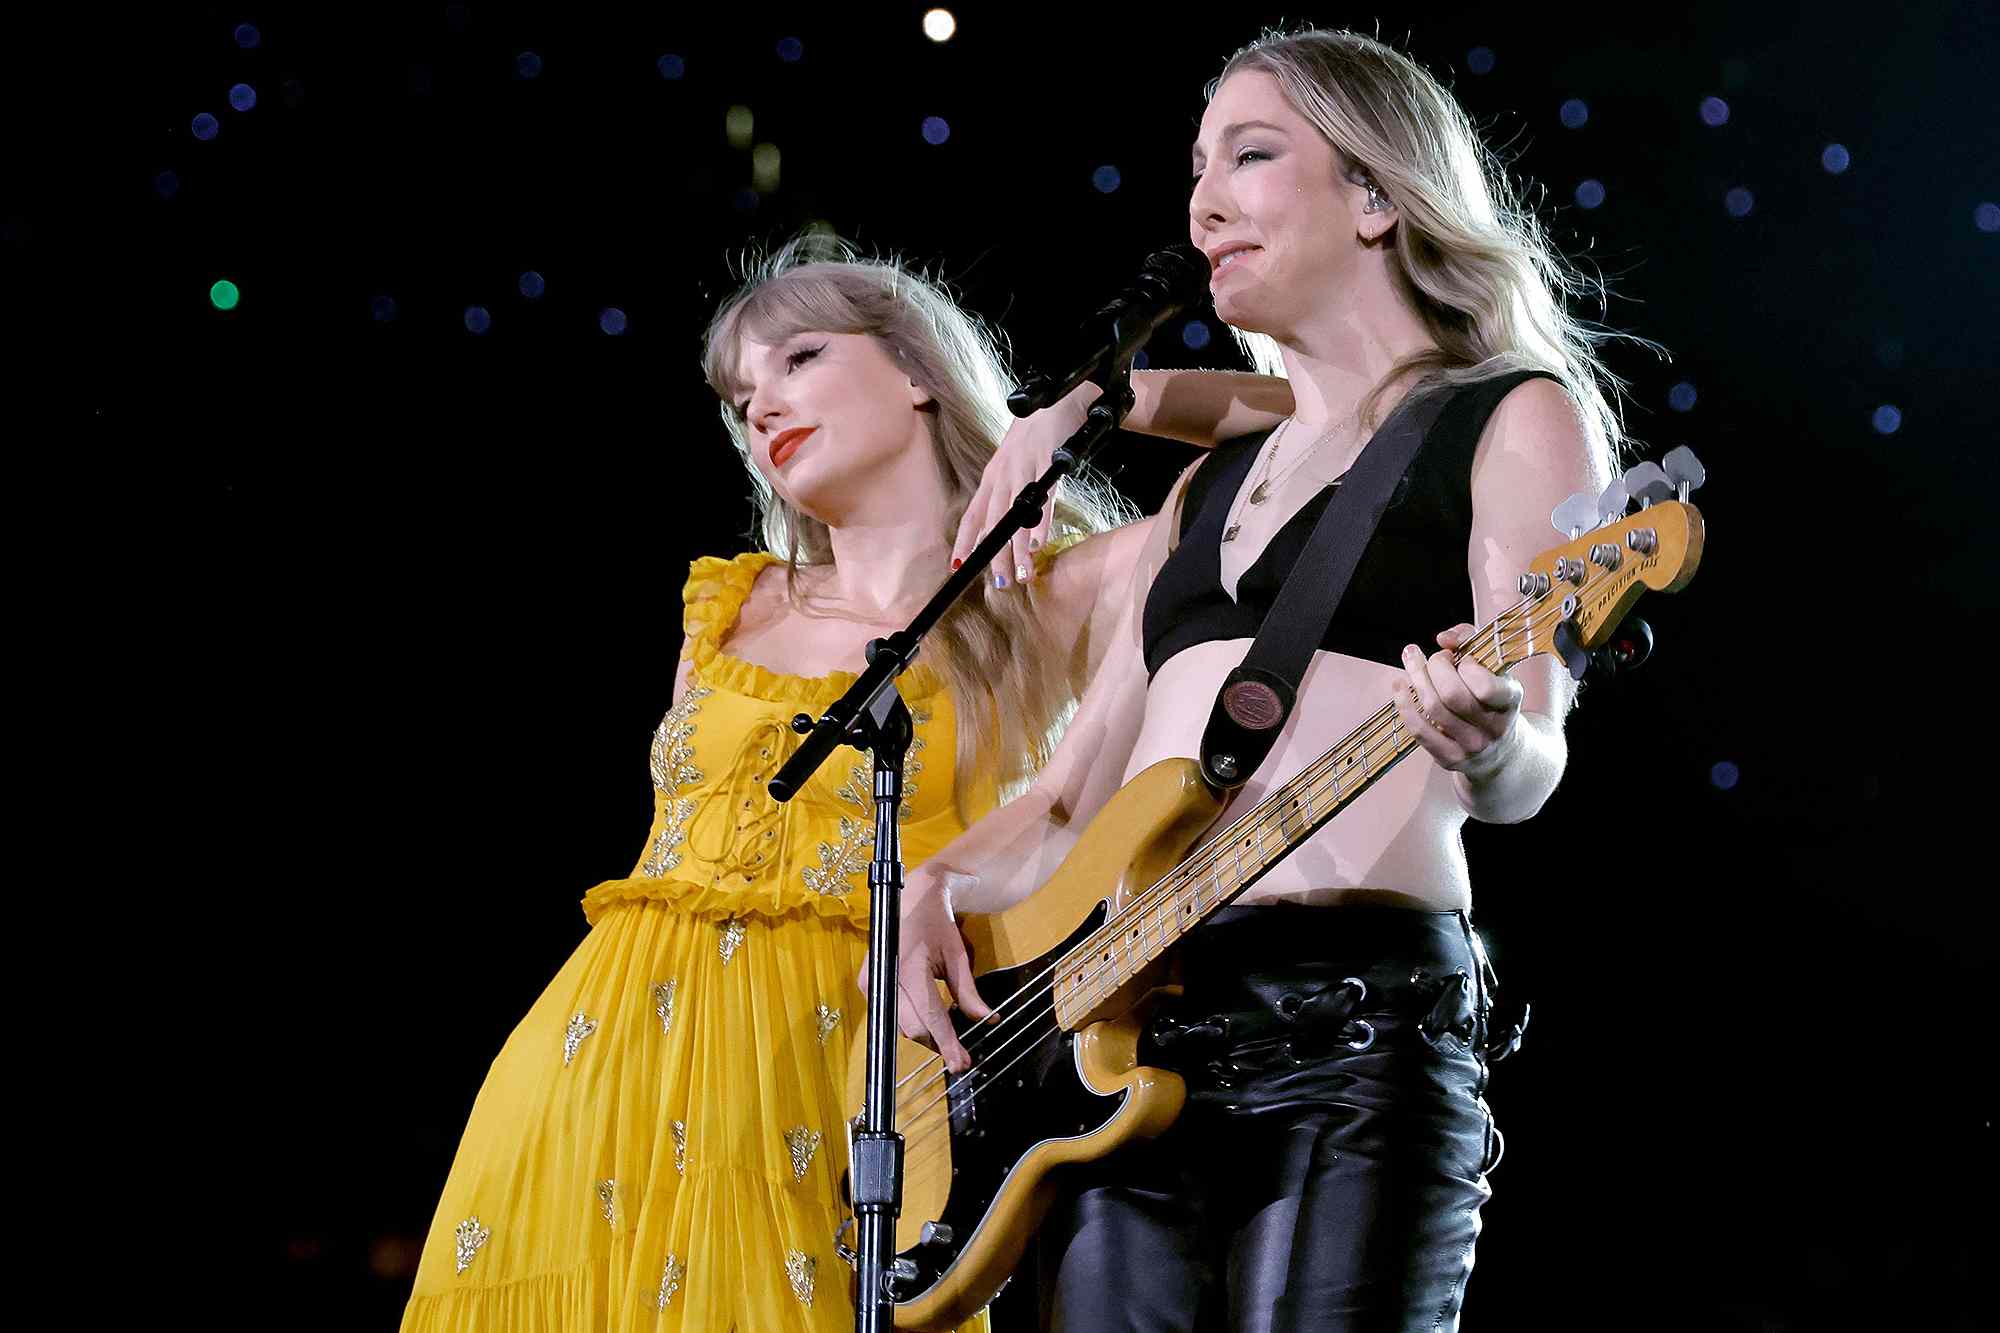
{"x":1009,"y":681}
{"x":1467,"y":252}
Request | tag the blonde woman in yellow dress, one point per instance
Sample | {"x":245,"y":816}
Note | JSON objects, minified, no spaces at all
{"x":656,"y":1146}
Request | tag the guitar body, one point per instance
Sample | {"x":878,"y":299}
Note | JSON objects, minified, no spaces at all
{"x":980,"y":1158}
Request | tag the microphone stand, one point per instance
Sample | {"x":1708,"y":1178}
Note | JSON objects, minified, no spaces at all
{"x":872,"y":716}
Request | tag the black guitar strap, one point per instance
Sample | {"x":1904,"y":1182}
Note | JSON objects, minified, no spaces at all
{"x":1257,"y":697}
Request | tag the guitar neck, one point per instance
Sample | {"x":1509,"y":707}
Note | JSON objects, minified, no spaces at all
{"x":1234,"y":859}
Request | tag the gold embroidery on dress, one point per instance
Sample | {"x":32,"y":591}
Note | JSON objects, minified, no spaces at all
{"x":607,"y":1195}
{"x":680,"y":1128}
{"x":828,"y":1020}
{"x":671,"y":752}
{"x":838,"y":864}
{"x":804,"y":1143}
{"x":469,"y":1237}
{"x":673,"y":768}
{"x":663,"y":1003}
{"x":580,"y":1026}
{"x":670,"y":1281}
{"x":859,"y":789}
{"x":732,"y":939}
{"x":661,"y":857}
{"x":799,"y":1267}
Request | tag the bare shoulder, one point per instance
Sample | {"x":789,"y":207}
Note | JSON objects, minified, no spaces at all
{"x":769,"y":602}
{"x":1101,"y":563}
{"x":1538,"y":437}
{"x":1105,"y":562}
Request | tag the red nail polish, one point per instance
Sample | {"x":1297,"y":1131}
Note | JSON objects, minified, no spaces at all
{"x":956,"y":563}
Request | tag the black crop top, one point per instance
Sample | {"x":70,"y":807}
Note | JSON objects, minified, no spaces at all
{"x":1411,"y":581}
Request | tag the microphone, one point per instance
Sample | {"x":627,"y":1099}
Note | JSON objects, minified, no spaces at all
{"x":1169,"y":282}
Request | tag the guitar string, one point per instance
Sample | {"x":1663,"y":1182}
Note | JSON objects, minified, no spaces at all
{"x":1213,"y":852}
{"x":1046,"y":1004}
{"x":1203,"y":863}
{"x":1401,"y":744}
{"x":1307,"y":787}
{"x":1385,"y":725}
{"x":924,"y":1142}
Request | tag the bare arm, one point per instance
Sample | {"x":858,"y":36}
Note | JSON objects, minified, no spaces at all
{"x":1200,"y":407}
{"x":1502,"y":736}
{"x":1007,"y":855}
{"x":1083,"y":593}
{"x":1206,"y":407}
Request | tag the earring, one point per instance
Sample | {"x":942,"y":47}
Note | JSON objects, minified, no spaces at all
{"x":1376,"y":203}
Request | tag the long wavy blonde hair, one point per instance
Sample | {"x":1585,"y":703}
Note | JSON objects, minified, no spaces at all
{"x":1467,"y":252}
{"x":1010,"y":683}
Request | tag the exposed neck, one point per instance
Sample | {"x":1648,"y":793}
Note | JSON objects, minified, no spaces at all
{"x":1347,"y":345}
{"x":892,"y":544}
{"x":884,"y":571}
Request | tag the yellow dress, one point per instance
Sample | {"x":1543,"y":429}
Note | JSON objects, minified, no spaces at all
{"x":656,"y":1146}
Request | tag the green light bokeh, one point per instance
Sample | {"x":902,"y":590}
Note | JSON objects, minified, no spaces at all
{"x":224,"y":295}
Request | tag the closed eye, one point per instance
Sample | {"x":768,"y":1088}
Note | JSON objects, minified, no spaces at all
{"x":792,"y":362}
{"x":1244,"y":156}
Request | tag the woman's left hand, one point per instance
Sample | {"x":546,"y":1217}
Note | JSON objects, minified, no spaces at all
{"x":1460,"y":712}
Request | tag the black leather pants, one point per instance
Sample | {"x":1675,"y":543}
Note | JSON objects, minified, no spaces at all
{"x":1328,"y":1170}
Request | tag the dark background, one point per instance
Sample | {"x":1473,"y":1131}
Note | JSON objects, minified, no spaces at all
{"x":360,"y":625}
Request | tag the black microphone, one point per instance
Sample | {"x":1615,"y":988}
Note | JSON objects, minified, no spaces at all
{"x":1169,"y":282}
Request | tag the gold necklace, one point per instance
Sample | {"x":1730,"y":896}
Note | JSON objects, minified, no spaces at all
{"x":1262,"y":490}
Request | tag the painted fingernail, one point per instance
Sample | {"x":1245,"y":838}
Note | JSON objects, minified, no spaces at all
{"x":1022,"y":572}
{"x":956,"y":563}
{"x":999,"y":580}
{"x":1034,"y":543}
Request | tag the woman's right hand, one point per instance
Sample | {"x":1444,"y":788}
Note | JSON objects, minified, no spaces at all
{"x":931,"y":949}
{"x":1023,"y":455}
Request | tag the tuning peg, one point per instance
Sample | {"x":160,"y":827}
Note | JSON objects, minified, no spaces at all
{"x":1647,"y":484}
{"x":1569,"y":647}
{"x":1628,"y":647}
{"x":1611,"y":504}
{"x":1686,"y":470}
{"x":1576,"y":515}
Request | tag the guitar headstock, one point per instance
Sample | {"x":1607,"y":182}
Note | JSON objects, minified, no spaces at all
{"x":1578,"y":592}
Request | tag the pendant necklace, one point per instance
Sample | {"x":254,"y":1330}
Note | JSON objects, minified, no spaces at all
{"x":1264,"y":488}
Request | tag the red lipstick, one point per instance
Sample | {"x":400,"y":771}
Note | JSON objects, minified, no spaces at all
{"x":787,"y":443}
